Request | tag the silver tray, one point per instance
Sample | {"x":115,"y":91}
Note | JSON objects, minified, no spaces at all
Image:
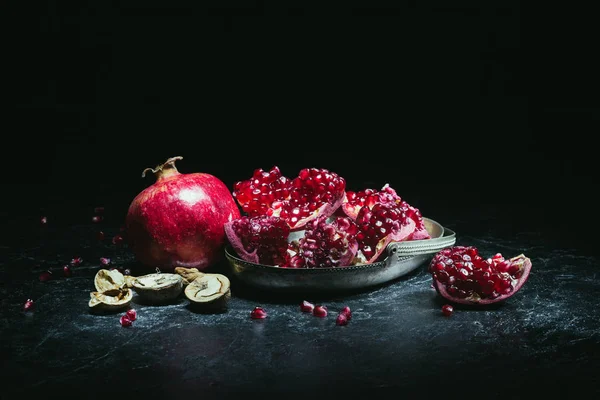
{"x":401,"y":259}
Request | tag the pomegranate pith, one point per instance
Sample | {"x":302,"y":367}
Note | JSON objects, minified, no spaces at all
{"x":462,"y":275}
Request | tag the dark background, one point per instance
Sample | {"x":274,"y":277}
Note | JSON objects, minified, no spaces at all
{"x":457,"y":105}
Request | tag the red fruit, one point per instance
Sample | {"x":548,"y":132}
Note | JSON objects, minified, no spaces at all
{"x":125,"y":321}
{"x":104,"y":261}
{"x":447,"y":310}
{"x":76,"y":261}
{"x":320,"y":311}
{"x":327,"y":245}
{"x":314,"y":193}
{"x":260,"y":239}
{"x":28,"y":306}
{"x":67,"y":271}
{"x":307,"y":307}
{"x":131,"y":314}
{"x":378,"y":226}
{"x":97,"y":218}
{"x":258,"y":313}
{"x":45,"y":276}
{"x":462,"y":276}
{"x":347,"y":312}
{"x":43,"y":220}
{"x":341,"y":319}
{"x":178,"y":220}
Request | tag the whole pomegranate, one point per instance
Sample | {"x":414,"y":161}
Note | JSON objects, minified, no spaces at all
{"x":178,"y":220}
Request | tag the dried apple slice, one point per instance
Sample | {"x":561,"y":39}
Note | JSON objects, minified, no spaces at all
{"x":188,"y":274}
{"x":209,"y":290}
{"x":113,"y":299}
{"x":158,"y":288}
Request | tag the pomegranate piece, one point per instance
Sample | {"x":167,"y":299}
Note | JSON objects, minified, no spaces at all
{"x":378,"y":226}
{"x":258,"y":313}
{"x":131,"y":314}
{"x":341,"y":319}
{"x":28,"y":306}
{"x":125,"y":321}
{"x":76,"y":261}
{"x":45,"y":276}
{"x":67,"y":271}
{"x":104,"y":261}
{"x":261,"y":239}
{"x":447,"y":310}
{"x":461,"y":275}
{"x":347,"y":312}
{"x":327,"y":245}
{"x":320,"y":311}
{"x":307,"y":307}
{"x":313,"y":193}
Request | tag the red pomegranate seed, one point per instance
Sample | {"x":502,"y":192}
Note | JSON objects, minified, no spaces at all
{"x":100,"y":236}
{"x":67,"y":271}
{"x":117,"y":240}
{"x":258,"y":313}
{"x":447,"y":310}
{"x":131,"y":314}
{"x":43,"y":220}
{"x":347,"y":312}
{"x":98,"y":210}
{"x":104,"y":261}
{"x":45,"y":276}
{"x":320,"y":311}
{"x":341,"y":319}
{"x":76,"y":262}
{"x":97,"y":218}
{"x":28,"y":306}
{"x":125,"y":321}
{"x":307,"y":307}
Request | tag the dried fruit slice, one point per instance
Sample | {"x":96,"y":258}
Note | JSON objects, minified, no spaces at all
{"x":460,"y":274}
{"x":209,"y":290}
{"x":188,"y":274}
{"x":158,"y":288}
{"x":114,"y":299}
{"x":109,"y":280}
{"x":262,"y":239}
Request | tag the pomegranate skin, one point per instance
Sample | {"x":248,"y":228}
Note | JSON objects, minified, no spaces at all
{"x":179,"y":220}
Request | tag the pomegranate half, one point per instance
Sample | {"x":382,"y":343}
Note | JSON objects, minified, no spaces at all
{"x":178,"y":220}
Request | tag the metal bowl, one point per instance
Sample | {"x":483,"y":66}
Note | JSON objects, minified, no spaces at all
{"x":401,"y":259}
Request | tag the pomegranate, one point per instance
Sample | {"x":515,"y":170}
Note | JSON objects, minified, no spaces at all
{"x":327,"y":245}
{"x":261,"y":239}
{"x":313,"y":193}
{"x":178,"y":220}
{"x":463,"y":276}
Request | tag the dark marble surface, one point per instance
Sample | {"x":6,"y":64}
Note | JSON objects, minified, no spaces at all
{"x":545,"y":338}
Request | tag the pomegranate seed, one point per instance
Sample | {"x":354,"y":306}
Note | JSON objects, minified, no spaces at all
{"x":104,"y":261}
{"x":76,"y":262}
{"x":117,"y":240}
{"x":67,"y":271}
{"x":307,"y":307}
{"x":45,"y":276}
{"x":125,"y":321}
{"x":447,"y":310}
{"x":43,"y":220}
{"x":100,"y":236}
{"x":258,"y":313}
{"x":347,"y":312}
{"x":131,"y":314}
{"x":341,"y":319}
{"x":320,"y":311}
{"x":97,"y":218}
{"x":98,"y":210}
{"x":28,"y":306}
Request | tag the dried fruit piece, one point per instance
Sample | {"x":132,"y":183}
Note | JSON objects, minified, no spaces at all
{"x":461,"y":275}
{"x":261,"y":239}
{"x":106,"y":280}
{"x":158,"y":288}
{"x":188,"y":274}
{"x":258,"y":313}
{"x":307,"y":307}
{"x":209,"y":290}
{"x":110,"y":300}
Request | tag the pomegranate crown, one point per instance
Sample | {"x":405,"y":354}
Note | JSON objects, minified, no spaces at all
{"x":160,"y":168}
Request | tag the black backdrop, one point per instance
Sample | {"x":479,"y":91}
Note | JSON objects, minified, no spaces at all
{"x":456,"y":104}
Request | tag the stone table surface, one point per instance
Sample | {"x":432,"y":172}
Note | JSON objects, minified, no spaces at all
{"x":545,"y":339}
